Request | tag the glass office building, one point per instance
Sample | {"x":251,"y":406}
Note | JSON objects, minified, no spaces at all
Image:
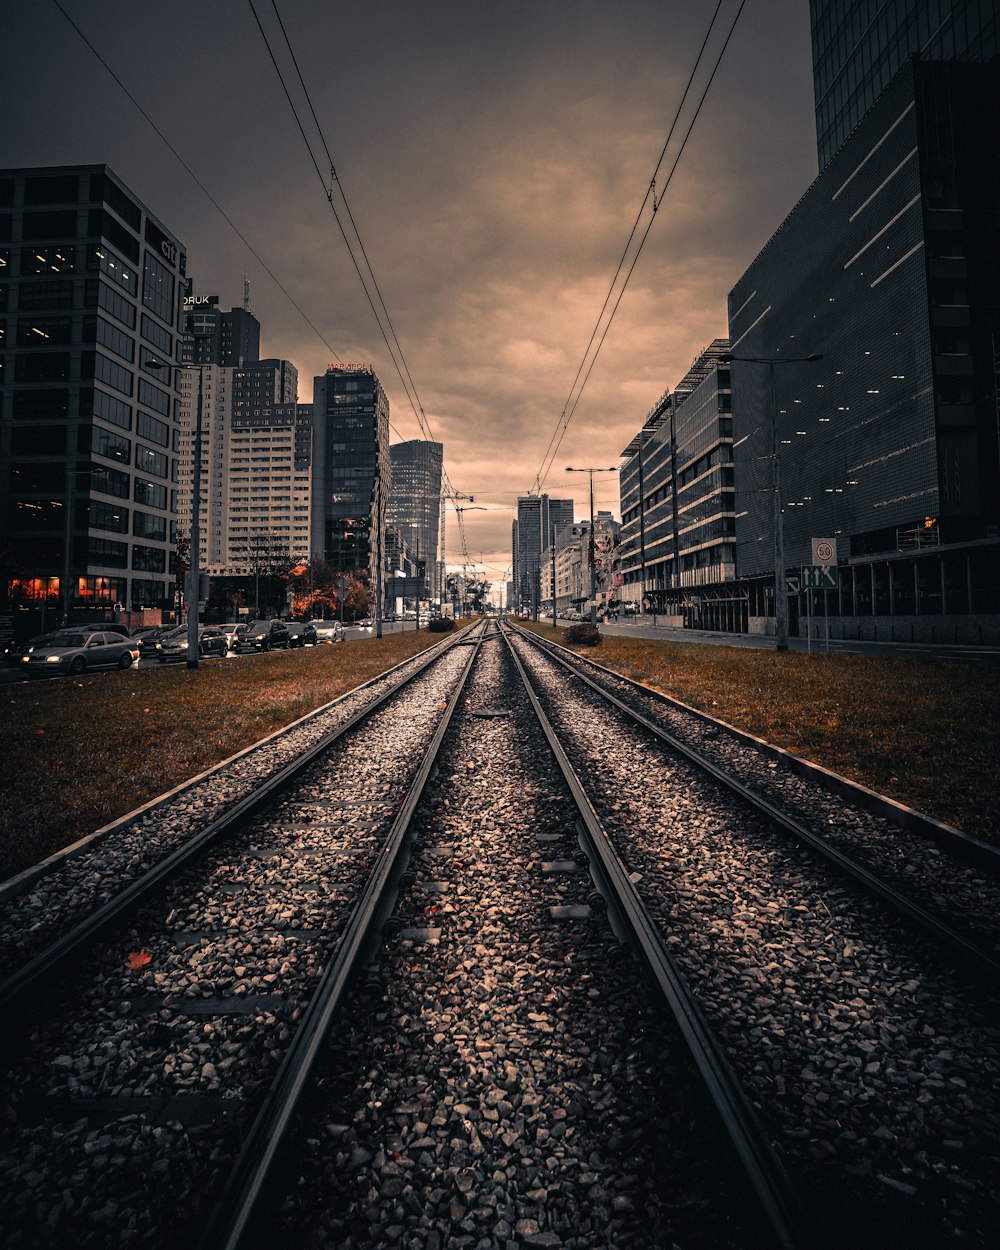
{"x":860,"y":45}
{"x":415,"y":505}
{"x":90,"y":290}
{"x":351,"y":471}
{"x":888,"y":267}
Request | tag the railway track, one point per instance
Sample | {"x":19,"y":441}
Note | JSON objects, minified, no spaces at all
{"x":510,"y":1042}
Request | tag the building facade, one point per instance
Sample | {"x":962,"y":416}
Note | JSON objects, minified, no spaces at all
{"x":91,"y":284}
{"x":860,"y":45}
{"x":678,"y":502}
{"x":888,"y":268}
{"x":414,"y":508}
{"x":350,"y":469}
{"x":214,"y":337}
{"x":538,"y":518}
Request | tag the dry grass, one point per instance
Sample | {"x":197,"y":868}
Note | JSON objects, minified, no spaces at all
{"x":924,"y":732}
{"x":77,"y":753}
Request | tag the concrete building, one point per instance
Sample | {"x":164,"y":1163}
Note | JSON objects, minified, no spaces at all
{"x":214,"y":337}
{"x":350,"y":470}
{"x":90,"y":289}
{"x":888,"y":267}
{"x":570,"y":554}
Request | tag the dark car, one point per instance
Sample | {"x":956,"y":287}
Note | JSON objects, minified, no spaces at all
{"x":148,"y":640}
{"x":174,"y":646}
{"x":77,"y":651}
{"x":264,"y":636}
{"x":302,"y":633}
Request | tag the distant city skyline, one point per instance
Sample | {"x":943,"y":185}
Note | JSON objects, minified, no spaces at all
{"x":495,"y":158}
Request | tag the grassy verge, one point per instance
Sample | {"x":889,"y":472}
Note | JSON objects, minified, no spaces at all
{"x":924,"y":732}
{"x":76,"y":753}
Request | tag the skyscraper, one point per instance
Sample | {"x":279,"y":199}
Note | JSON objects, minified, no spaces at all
{"x":536,"y":517}
{"x":415,"y":503}
{"x":859,"y":46}
{"x":88,"y":412}
{"x":350,"y":470}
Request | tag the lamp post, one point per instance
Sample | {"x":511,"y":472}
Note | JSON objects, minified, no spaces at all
{"x":194,"y":557}
{"x":780,"y":585}
{"x":593,"y":561}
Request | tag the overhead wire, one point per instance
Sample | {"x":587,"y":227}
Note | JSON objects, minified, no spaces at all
{"x":201,"y":186}
{"x":566,"y":416}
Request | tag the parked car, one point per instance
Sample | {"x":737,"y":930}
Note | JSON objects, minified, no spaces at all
{"x":77,"y":651}
{"x":301,"y":633}
{"x":174,"y":646}
{"x":13,"y":651}
{"x":147,"y":641}
{"x":265,"y":636}
{"x":230,"y":630}
{"x":328,"y":631}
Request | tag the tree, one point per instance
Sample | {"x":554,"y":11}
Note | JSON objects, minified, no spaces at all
{"x":269,"y":562}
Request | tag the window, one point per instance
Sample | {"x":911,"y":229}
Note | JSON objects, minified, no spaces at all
{"x":53,"y":404}
{"x":109,"y":516}
{"x":102,"y":188}
{"x":42,"y":367}
{"x":151,"y":494}
{"x":109,"y":409}
{"x":44,"y":331}
{"x":109,"y":481}
{"x":148,"y":559}
{"x":108,"y":552}
{"x":114,"y":339}
{"x":110,"y":446}
{"x":55,"y":294}
{"x":117,"y":272}
{"x":38,"y":440}
{"x":145,"y":525}
{"x":53,"y":258}
{"x":38,"y":478}
{"x":50,"y":225}
{"x":157,"y":335}
{"x":149,"y":461}
{"x":153,"y":397}
{"x":45,"y":515}
{"x":158,"y":288}
{"x":105,"y":370}
{"x":115,"y":304}
{"x":155,"y":431}
{"x":50,"y":188}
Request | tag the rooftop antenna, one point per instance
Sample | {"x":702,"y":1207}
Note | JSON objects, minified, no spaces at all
{"x":246,"y":292}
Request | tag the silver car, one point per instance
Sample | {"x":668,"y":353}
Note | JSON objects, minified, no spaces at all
{"x":328,"y":631}
{"x":74,"y":651}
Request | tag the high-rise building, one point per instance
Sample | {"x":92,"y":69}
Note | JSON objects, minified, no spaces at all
{"x":888,"y":267}
{"x":414,"y":509}
{"x":350,"y":470}
{"x":90,"y":289}
{"x":860,"y":45}
{"x":215,"y":337}
{"x":537,"y":516}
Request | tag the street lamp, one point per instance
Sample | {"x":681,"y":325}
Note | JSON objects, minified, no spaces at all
{"x":593,"y":559}
{"x":194,"y":567}
{"x":780,"y":586}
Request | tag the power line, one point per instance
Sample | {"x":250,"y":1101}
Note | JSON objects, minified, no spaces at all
{"x":205,"y":191}
{"x":571,"y":403}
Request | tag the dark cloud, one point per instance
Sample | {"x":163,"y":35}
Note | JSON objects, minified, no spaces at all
{"x":494,"y":155}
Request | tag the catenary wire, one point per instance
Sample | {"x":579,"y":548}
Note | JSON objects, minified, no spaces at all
{"x":205,"y":191}
{"x":650,"y":191}
{"x":565,"y":420}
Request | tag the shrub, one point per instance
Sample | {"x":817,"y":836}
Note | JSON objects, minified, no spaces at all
{"x":440,"y":625}
{"x":584,"y":634}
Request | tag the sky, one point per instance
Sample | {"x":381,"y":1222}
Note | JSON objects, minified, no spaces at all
{"x":494,"y":154}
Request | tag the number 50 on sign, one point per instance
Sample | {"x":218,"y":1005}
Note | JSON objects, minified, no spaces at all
{"x":824,"y":551}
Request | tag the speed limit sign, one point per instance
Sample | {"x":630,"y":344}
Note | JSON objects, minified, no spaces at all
{"x":824,"y":551}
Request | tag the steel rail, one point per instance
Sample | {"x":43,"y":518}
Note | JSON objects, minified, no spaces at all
{"x":926,"y":921}
{"x":232,"y":1217}
{"x":763,"y":1168}
{"x":47,"y":959}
